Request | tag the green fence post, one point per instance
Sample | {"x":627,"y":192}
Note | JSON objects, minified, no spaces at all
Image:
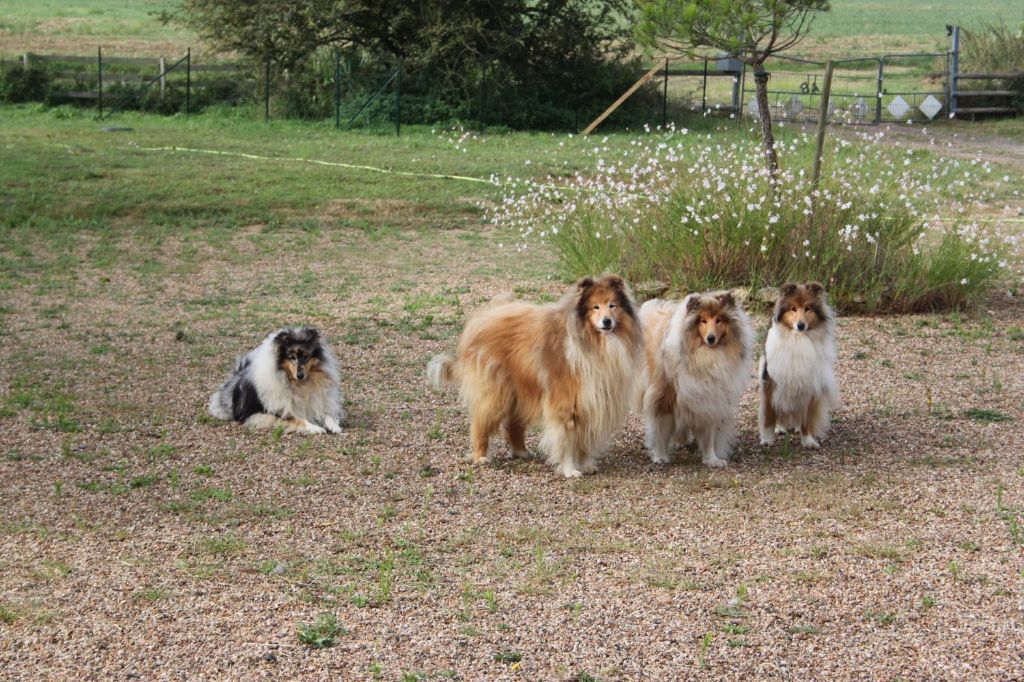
{"x":99,"y":77}
{"x":337,"y":89}
{"x":398,"y":102}
{"x":266,"y":91}
{"x":188,"y":82}
{"x":878,"y":94}
{"x":664,"y":98}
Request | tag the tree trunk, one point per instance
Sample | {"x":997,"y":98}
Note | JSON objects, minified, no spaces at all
{"x":764,"y":114}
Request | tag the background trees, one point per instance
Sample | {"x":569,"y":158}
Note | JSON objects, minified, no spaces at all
{"x":520,"y":63}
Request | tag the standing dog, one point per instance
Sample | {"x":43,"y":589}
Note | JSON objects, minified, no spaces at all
{"x":290,"y":379}
{"x":698,"y":359}
{"x":797,"y":383}
{"x":575,"y":366}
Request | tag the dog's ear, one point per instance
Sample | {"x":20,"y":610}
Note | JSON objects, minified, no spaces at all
{"x":692,"y":303}
{"x":313,"y":333}
{"x":788,"y":289}
{"x":585,"y":284}
{"x":816,"y":289}
{"x":283,"y":338}
{"x":726,"y":299}
{"x":616,"y":282}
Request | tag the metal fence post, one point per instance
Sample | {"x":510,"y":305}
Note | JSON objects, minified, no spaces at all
{"x":25,"y":59}
{"x":398,"y":102}
{"x":878,"y":91}
{"x":188,"y":82}
{"x":99,"y":77}
{"x":954,"y":86}
{"x":337,"y":89}
{"x":162,"y":69}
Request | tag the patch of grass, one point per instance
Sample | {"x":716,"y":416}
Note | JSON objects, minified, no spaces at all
{"x":880,"y":617}
{"x":321,"y":633}
{"x":7,"y":614}
{"x":149,"y":594}
{"x":221,"y":546}
{"x":986,"y":415}
{"x":219,"y":494}
{"x":508,"y":657}
{"x":202,"y":470}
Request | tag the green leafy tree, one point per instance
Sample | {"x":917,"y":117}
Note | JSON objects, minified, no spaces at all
{"x":750,"y":30}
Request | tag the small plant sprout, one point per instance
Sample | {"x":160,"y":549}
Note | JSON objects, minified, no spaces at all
{"x":322,"y":633}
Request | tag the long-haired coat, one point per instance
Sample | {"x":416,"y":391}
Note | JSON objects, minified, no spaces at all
{"x":574,"y":366}
{"x":291,"y":379}
{"x":699,"y":361}
{"x":797,"y":382}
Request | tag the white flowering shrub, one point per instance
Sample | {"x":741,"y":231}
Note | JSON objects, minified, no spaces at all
{"x":886,"y":228}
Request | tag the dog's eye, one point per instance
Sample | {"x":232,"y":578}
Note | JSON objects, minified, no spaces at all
{"x":793,"y":309}
{"x":807,"y":308}
{"x":597,"y":307}
{"x":611,"y":305}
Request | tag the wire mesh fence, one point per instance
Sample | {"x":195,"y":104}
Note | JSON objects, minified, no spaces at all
{"x":357,"y":90}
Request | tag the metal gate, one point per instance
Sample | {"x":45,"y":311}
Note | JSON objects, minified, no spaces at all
{"x":904,"y":88}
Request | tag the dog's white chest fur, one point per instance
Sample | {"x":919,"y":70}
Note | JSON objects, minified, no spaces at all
{"x":800,"y":364}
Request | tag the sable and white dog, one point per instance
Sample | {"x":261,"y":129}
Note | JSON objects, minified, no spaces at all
{"x":797,"y":383}
{"x":699,"y":356}
{"x":291,"y":379}
{"x":575,"y":366}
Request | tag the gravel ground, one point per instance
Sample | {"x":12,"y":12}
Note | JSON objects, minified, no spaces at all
{"x":151,"y":543}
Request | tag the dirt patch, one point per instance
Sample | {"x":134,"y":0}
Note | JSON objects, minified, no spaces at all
{"x":140,"y":539}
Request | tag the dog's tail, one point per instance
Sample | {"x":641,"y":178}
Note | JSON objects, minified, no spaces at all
{"x":216,"y":406}
{"x":441,"y":371}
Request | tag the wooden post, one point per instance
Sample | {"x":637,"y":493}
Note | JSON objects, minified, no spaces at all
{"x":26,"y":58}
{"x":826,"y":90}
{"x":162,"y":65}
{"x":664,"y":99}
{"x":626,"y":95}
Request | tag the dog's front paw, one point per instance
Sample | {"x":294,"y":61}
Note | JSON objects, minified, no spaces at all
{"x":659,"y":457}
{"x":779,"y":430}
{"x":524,"y":454}
{"x":310,"y":427}
{"x":474,"y":458}
{"x":767,"y":438}
{"x":809,"y":441}
{"x":589,"y":466}
{"x":570,"y":471}
{"x":332,"y":425}
{"x":715,"y":462}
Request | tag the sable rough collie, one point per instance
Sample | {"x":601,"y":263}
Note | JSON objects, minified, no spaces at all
{"x":574,"y":366}
{"x":797,"y":384}
{"x":699,"y":361}
{"x":290,"y":379}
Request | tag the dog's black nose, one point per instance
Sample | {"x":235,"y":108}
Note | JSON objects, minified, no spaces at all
{"x":300,"y":375}
{"x":606,"y":323}
{"x":800,"y":326}
{"x":711,"y":339}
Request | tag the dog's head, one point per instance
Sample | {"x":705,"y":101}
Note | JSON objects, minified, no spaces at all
{"x":712,"y":319}
{"x":802,"y":307}
{"x":299,"y":352}
{"x":603,"y":304}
